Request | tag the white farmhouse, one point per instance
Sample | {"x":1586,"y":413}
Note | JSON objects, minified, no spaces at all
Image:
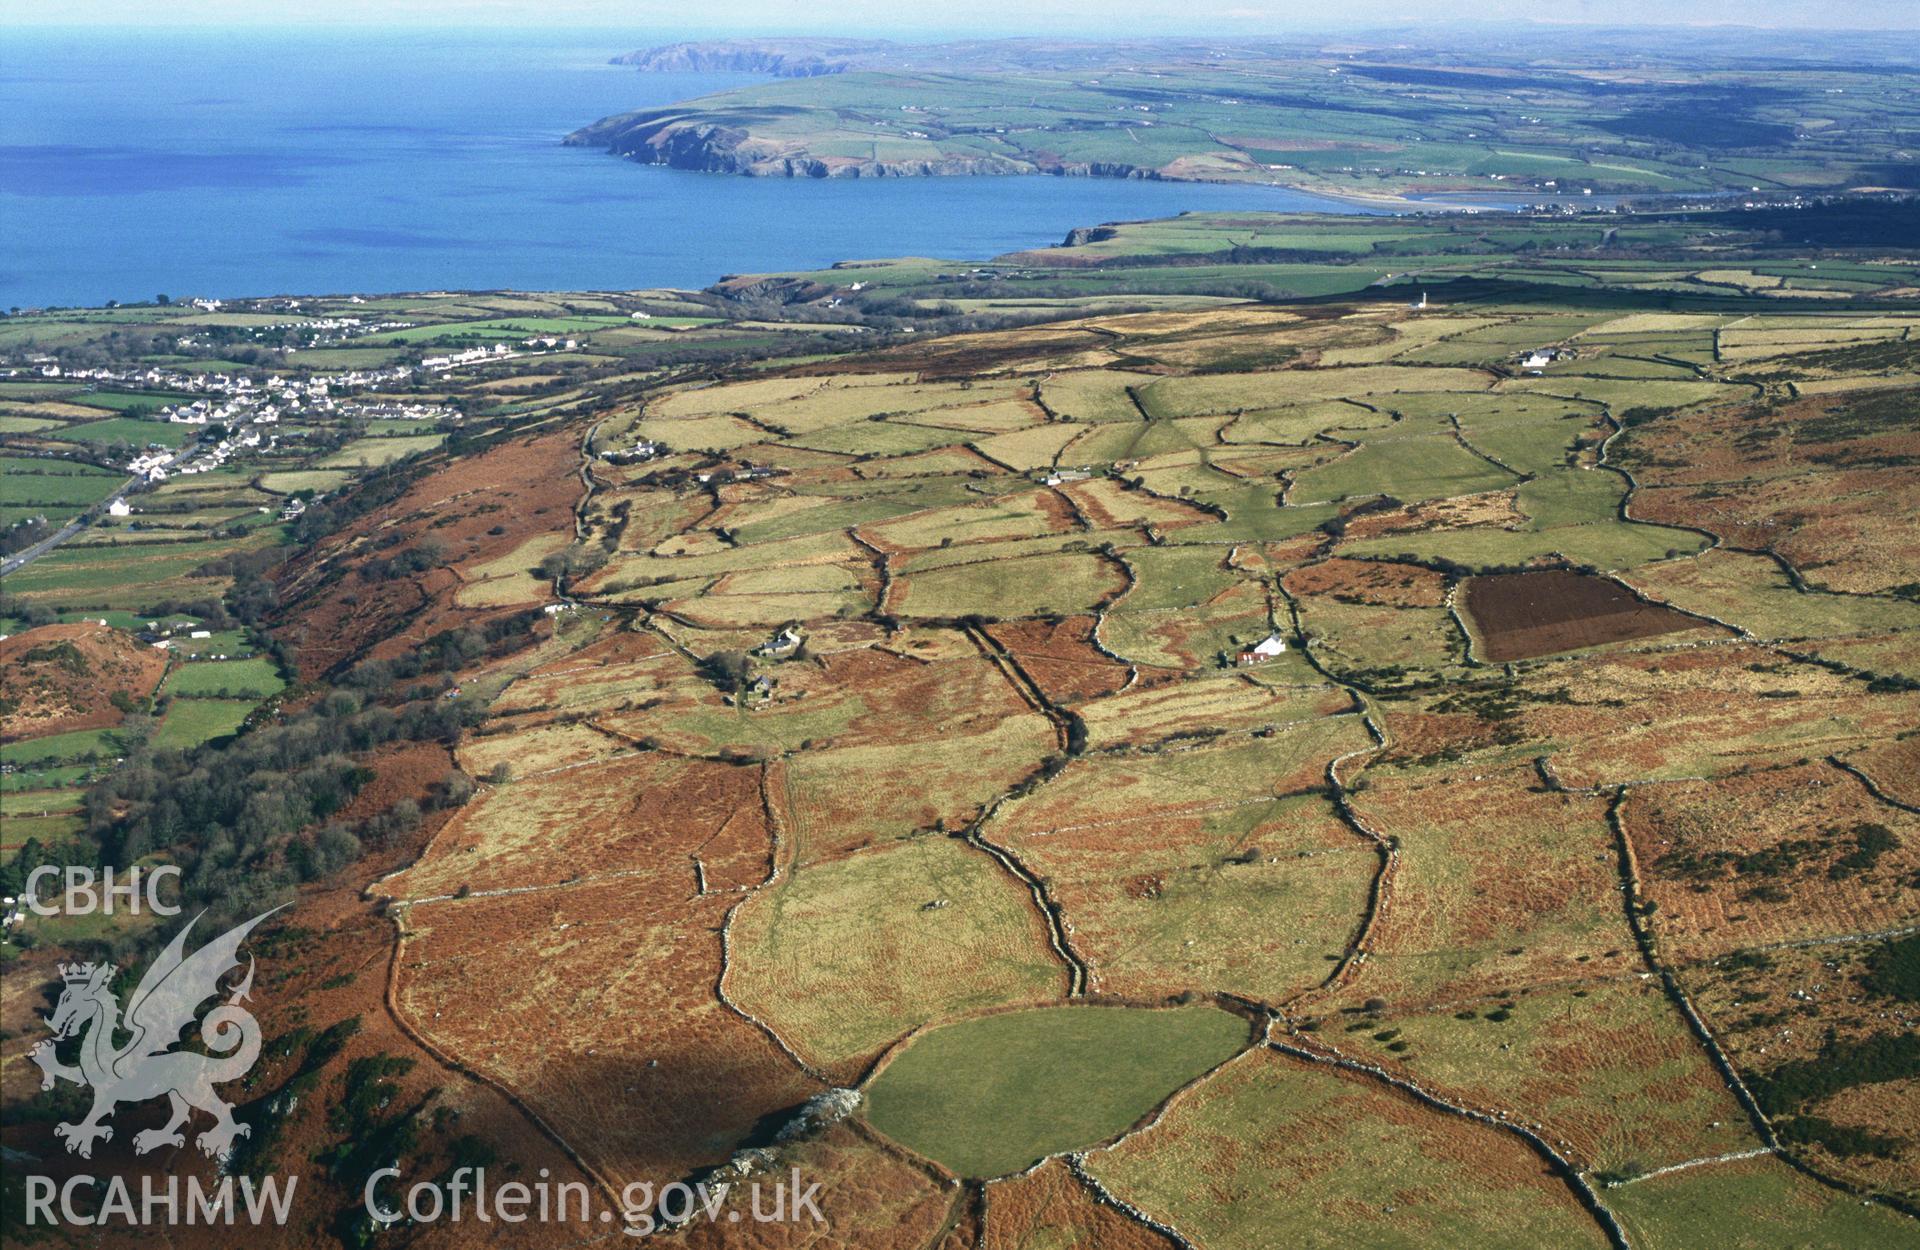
{"x":1266,"y":649}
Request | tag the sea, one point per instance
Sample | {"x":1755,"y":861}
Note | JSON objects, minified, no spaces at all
{"x":230,"y":163}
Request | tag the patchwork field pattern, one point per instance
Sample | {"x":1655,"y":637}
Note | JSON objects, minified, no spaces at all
{"x":1482,"y":735}
{"x":1226,"y":775}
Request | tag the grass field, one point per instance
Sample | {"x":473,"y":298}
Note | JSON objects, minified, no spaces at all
{"x":373,"y":452}
{"x":77,"y":747}
{"x":190,"y":722}
{"x":222,"y":679}
{"x":1271,"y":1143}
{"x":130,"y":430}
{"x":295,"y":480}
{"x":1752,"y":1204}
{"x":127,"y":578}
{"x":1063,"y":583}
{"x":1608,"y":1067}
{"x":1252,"y":896}
{"x":989,"y":1096}
{"x":122,"y":401}
{"x":851,"y":954}
{"x":72,"y":492}
{"x":1409,"y":469}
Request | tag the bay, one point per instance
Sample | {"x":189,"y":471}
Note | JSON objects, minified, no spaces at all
{"x":281,"y":161}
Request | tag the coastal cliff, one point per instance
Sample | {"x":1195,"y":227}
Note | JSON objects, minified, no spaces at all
{"x":709,"y":144}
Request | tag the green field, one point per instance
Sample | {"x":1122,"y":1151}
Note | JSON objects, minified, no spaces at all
{"x":1753,"y":1204}
{"x":79,"y":746}
{"x":219,"y":679}
{"x":57,"y":490}
{"x":1269,"y":1144}
{"x":39,"y":465}
{"x":190,"y":722}
{"x":989,"y":1096}
{"x":497,"y":329}
{"x":124,"y":401}
{"x":134,"y":431}
{"x":125,"y":577}
{"x":48,"y":778}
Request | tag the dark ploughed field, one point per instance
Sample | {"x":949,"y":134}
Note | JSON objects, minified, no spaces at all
{"x":1521,"y":615}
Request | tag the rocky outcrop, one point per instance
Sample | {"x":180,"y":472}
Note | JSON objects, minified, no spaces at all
{"x":1080,"y":236}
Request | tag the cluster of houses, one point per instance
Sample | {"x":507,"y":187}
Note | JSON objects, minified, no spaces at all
{"x":396,"y":410}
{"x":169,"y":635}
{"x":642,"y":450}
{"x":205,"y":459}
{"x":148,"y":466}
{"x":1540,"y":358}
{"x":759,"y":691}
{"x":498,"y":351}
{"x":472,"y":355}
{"x":222,"y":411}
{"x":221,"y":395}
{"x":744,"y":473}
{"x":237,"y":402}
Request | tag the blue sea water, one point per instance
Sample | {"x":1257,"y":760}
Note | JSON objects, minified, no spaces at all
{"x":201,"y":163}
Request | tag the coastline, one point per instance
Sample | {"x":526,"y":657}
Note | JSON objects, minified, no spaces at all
{"x":1444,"y":200}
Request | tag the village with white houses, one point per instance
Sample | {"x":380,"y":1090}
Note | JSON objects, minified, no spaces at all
{"x":245,"y":410}
{"x":196,"y":406}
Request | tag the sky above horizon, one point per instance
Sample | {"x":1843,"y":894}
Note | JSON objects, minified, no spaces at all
{"x":997,"y":17}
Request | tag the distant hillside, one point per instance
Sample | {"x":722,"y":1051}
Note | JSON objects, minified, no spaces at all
{"x":1494,"y":123}
{"x":783,"y":58}
{"x":812,"y":58}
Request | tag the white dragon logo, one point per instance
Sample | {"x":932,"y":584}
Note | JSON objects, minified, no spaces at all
{"x":162,"y":1005}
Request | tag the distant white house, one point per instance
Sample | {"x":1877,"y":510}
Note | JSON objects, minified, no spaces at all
{"x":119,"y":507}
{"x":1266,"y":649}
